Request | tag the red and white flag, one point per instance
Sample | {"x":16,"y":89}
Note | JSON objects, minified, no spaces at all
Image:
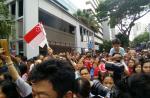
{"x":36,"y":36}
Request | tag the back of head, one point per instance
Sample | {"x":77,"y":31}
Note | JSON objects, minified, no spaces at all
{"x":9,"y":89}
{"x":140,"y":85}
{"x":23,"y":69}
{"x":136,"y":86}
{"x":83,"y":88}
{"x":59,"y":73}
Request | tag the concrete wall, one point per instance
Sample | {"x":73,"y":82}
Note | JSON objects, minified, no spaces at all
{"x":30,"y":19}
{"x":59,"y":36}
{"x":106,"y":30}
{"x":51,"y":8}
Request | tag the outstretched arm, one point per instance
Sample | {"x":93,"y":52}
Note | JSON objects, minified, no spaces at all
{"x":24,"y":88}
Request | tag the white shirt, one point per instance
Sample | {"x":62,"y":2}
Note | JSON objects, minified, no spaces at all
{"x":24,"y":88}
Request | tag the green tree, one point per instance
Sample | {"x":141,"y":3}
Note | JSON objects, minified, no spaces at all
{"x":88,"y":19}
{"x":141,"y":38}
{"x":106,"y":46}
{"x":122,"y":13}
{"x":124,"y":39}
{"x":5,"y":21}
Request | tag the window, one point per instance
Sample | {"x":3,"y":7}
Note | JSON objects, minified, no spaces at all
{"x":20,"y":10}
{"x":13,"y":9}
{"x":20,"y":44}
{"x":71,"y":29}
{"x":81,"y":34}
{"x":55,"y":22}
{"x":85,"y":36}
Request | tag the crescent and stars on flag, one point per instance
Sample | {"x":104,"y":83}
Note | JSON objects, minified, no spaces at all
{"x":36,"y":36}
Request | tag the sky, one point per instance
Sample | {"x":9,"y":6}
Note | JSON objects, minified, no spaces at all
{"x":144,"y":20}
{"x":81,"y":5}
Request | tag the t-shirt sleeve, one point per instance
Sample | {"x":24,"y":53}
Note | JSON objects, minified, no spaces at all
{"x":111,"y":52}
{"x":122,"y":51}
{"x":24,"y":88}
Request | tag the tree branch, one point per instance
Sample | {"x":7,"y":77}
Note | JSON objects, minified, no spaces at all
{"x":121,"y":24}
{"x":130,"y":26}
{"x":119,"y":28}
{"x":142,"y":15}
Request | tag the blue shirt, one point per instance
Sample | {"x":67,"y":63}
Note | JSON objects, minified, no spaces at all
{"x":121,"y":51}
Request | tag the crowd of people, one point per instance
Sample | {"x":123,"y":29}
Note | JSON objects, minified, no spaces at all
{"x":121,"y":73}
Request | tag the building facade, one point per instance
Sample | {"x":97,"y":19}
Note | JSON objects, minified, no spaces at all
{"x":91,"y":6}
{"x":148,"y":28}
{"x":137,"y":29}
{"x":63,"y":30}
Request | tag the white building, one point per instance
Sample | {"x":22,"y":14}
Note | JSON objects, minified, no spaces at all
{"x":91,"y":6}
{"x":148,"y":28}
{"x":137,"y":29}
{"x":108,"y":33}
{"x":61,"y":27}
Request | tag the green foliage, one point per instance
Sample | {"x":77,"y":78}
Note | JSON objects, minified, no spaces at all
{"x":141,"y":38}
{"x":88,"y":19}
{"x":106,"y":46}
{"x":5,"y":29}
{"x":5,"y":22}
{"x":124,"y":39}
{"x":122,"y":13}
{"x":3,"y":10}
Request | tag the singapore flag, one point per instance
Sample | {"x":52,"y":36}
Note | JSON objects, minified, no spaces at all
{"x":36,"y":36}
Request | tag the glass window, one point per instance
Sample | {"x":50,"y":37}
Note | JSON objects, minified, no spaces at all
{"x":81,"y":34}
{"x":55,"y":22}
{"x":20,"y":44}
{"x":13,"y":8}
{"x":20,"y":10}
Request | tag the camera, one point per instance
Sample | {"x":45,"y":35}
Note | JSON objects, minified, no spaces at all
{"x":98,"y":89}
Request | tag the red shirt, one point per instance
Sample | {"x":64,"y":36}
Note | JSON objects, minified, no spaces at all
{"x":87,"y":63}
{"x":130,"y":70}
{"x":100,"y":68}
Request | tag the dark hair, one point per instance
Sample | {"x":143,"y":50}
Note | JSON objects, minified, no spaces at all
{"x":58,"y":72}
{"x":132,"y":60}
{"x":116,"y":41}
{"x":7,"y":76}
{"x":23,"y":69}
{"x":136,"y":64}
{"x":83,"y":87}
{"x":136,"y":86}
{"x":102,"y":77}
{"x":145,"y":60}
{"x":24,"y":58}
{"x":9,"y":89}
{"x":31,"y":60}
{"x":82,"y":68}
{"x":120,"y":58}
